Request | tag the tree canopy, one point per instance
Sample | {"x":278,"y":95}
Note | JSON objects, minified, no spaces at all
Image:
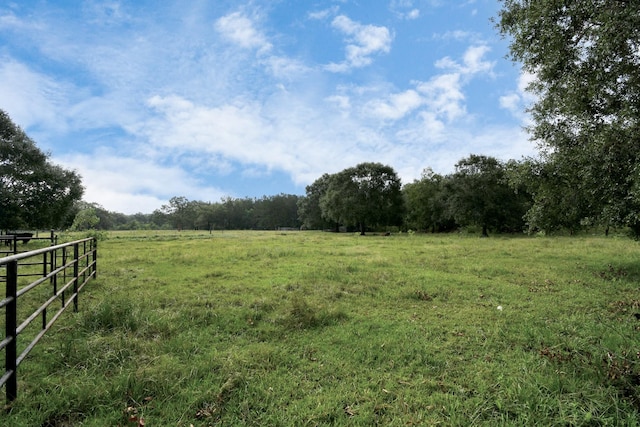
{"x":478,"y":194}
{"x":585,"y":59}
{"x":368,"y":194}
{"x":425,"y":201}
{"x":309,"y":209}
{"x":34,"y":192}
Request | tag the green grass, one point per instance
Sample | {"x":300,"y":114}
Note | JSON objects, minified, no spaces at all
{"x":297,"y":329}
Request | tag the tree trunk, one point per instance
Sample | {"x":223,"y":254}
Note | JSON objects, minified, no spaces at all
{"x":362,"y":228}
{"x":485,"y":233}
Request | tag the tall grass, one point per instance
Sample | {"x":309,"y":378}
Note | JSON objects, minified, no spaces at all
{"x":270,"y":328}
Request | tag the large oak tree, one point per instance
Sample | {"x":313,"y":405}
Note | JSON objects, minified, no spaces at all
{"x":478,"y":194}
{"x":585,"y":56}
{"x":34,"y":193}
{"x":368,"y":194}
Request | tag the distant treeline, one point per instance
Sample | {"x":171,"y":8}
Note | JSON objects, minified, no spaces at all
{"x":483,"y":195}
{"x":268,"y":212}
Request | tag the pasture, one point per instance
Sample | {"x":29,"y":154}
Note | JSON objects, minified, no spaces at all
{"x":310,"y":328}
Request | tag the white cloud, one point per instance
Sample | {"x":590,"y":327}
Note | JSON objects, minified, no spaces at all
{"x":444,"y":95}
{"x":9,"y":21}
{"x":517,"y":101}
{"x":32,"y":98}
{"x":363,"y":41}
{"x":455,"y":35}
{"x":472,"y":37}
{"x":243,"y":32}
{"x":286,"y":68}
{"x":342,"y":102}
{"x":239,"y":29}
{"x":472,"y":61}
{"x":510,"y":102}
{"x":396,"y":106}
{"x":413,"y":14}
{"x":285,"y":135}
{"x":323,"y":14}
{"x":133,"y":184}
{"x":404,"y":9}
{"x":235,"y":131}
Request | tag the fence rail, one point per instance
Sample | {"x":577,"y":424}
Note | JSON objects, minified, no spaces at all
{"x":66,"y":268}
{"x":9,"y":241}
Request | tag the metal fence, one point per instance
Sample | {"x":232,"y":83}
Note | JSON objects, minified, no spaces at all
{"x":9,"y":241}
{"x":65,"y":268}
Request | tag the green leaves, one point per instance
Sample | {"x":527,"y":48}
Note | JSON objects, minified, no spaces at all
{"x":478,"y":194}
{"x":586,"y":59}
{"x":368,"y":194}
{"x":33,"y":192}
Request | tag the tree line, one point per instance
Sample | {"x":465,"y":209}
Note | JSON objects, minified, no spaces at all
{"x":479,"y":194}
{"x":483,"y":194}
{"x":266,"y":213}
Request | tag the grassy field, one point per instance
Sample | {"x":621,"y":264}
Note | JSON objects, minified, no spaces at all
{"x":310,"y":328}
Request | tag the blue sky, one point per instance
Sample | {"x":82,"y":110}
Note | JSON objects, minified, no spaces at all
{"x":205,"y":99}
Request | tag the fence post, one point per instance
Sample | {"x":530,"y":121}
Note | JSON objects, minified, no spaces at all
{"x":54,"y":265}
{"x":76,"y":256}
{"x":64,"y":273}
{"x":44,"y":264}
{"x":11,"y":324}
{"x":44,"y":273}
{"x":85,"y":262}
{"x":94,"y":256}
